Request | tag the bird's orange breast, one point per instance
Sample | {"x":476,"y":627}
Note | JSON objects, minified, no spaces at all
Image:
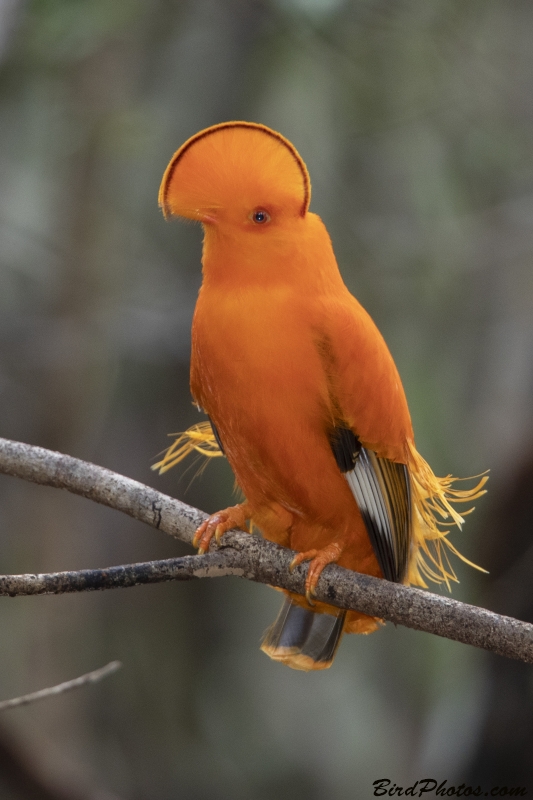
{"x":258,"y":373}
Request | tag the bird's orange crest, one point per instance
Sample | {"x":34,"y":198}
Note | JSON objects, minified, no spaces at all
{"x":230,"y":161}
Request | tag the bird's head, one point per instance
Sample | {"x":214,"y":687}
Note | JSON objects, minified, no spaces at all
{"x":237,"y":177}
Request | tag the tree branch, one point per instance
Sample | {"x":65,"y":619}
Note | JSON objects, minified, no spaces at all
{"x":243,"y":555}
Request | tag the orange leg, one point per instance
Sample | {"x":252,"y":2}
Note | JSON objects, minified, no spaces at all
{"x":219,"y":523}
{"x":319,"y":559}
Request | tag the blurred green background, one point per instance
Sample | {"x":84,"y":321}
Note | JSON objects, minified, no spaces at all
{"x":415,"y":118}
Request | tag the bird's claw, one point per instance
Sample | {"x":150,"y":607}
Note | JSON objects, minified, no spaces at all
{"x":217,"y":525}
{"x":219,"y":533}
{"x":319,"y":559}
{"x":299,"y":558}
{"x":309,"y":596}
{"x":196,"y":536}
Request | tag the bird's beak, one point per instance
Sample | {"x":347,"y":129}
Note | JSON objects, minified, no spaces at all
{"x":207,"y":216}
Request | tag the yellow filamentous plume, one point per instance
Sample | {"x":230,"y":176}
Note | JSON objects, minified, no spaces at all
{"x":432,"y":498}
{"x":198,"y":438}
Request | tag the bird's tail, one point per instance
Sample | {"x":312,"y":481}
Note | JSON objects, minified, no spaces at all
{"x":303,"y":639}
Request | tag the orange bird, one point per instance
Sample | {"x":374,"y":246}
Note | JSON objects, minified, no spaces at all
{"x":302,"y":394}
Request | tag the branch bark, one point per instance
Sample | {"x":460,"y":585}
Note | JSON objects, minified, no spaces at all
{"x":243,"y":555}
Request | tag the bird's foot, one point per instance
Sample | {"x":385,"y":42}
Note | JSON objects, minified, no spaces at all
{"x":319,"y":559}
{"x":217,"y":525}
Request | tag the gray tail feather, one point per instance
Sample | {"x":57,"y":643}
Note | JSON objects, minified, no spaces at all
{"x":303,"y":639}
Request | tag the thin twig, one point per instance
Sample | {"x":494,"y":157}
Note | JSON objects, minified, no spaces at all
{"x":246,"y":556}
{"x":212,"y":565}
{"x":90,"y":677}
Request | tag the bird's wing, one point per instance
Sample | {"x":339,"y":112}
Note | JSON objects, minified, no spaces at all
{"x":382,"y":490}
{"x":370,"y":431}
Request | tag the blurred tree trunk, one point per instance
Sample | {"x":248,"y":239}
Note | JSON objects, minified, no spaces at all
{"x":503,"y":752}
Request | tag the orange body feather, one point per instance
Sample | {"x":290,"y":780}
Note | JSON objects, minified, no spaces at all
{"x":283,"y":356}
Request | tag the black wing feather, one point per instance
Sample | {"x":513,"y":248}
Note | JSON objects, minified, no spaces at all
{"x":216,"y":434}
{"x":383,"y":494}
{"x":346,"y":448}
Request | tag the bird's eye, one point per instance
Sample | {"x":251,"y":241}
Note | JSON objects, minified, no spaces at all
{"x":260,"y":216}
